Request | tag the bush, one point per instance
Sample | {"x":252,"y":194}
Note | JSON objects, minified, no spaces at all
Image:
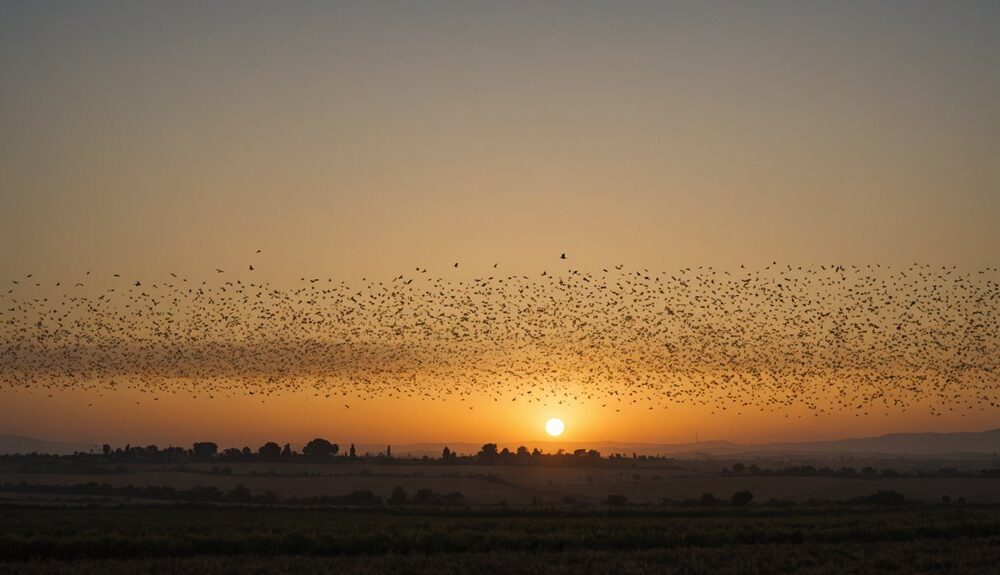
{"x":239,"y":494}
{"x":741,"y":498}
{"x":882,"y":498}
{"x":398,"y":496}
{"x":709,"y":500}
{"x":617,"y":500}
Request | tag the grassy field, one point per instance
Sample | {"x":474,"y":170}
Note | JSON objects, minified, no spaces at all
{"x":511,"y":520}
{"x":492,"y":485}
{"x":232,"y":539}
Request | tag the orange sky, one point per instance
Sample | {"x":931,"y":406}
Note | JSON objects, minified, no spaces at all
{"x":358,"y":140}
{"x":182,"y":419}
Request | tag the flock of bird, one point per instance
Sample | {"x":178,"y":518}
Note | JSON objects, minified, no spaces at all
{"x":823,"y":339}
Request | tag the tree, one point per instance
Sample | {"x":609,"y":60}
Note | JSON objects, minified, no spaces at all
{"x":320,"y":447}
{"x":398,"y":496}
{"x":739,"y":468}
{"x":446,"y":454}
{"x":388,"y":451}
{"x":354,"y":453}
{"x":205,"y":449}
{"x":488,"y":452}
{"x":741,"y":498}
{"x":269,"y":449}
{"x":616,"y":500}
{"x":106,"y":449}
{"x":888,"y":498}
{"x":287,"y":450}
{"x":709,"y":500}
{"x":240,"y":494}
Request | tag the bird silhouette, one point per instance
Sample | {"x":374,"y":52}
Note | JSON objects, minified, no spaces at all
{"x":826,"y":338}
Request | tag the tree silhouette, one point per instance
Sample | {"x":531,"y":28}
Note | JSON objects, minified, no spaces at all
{"x":320,"y":447}
{"x":353,"y":452}
{"x":398,"y":496}
{"x":269,"y":449}
{"x":488,"y":452}
{"x":741,"y":498}
{"x":240,"y":494}
{"x":205,"y":449}
{"x":616,"y":500}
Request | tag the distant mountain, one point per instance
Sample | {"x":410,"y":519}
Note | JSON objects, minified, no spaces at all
{"x":20,"y":444}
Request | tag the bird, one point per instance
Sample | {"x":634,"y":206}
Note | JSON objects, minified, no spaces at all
{"x":822,"y":339}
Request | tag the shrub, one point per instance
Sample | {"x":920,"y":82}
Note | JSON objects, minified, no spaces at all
{"x":617,"y":500}
{"x":741,"y":498}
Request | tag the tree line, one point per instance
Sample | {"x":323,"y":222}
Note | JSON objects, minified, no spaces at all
{"x":323,"y":450}
{"x":238,"y":494}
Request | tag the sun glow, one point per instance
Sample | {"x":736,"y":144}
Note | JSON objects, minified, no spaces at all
{"x":554,"y":427}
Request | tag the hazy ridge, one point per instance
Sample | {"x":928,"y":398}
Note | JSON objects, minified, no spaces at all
{"x":917,"y":443}
{"x":981,"y":442}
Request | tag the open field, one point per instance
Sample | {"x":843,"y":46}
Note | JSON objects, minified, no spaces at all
{"x":487,"y":485}
{"x":80,"y":516}
{"x":211,"y":540}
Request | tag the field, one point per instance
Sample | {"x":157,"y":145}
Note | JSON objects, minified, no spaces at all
{"x":67,"y":516}
{"x":247,"y":539}
{"x":492,"y":485}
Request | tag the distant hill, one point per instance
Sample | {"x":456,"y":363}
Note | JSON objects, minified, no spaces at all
{"x":20,"y":444}
{"x":899,"y":443}
{"x":548,"y":446}
{"x":892,"y":444}
{"x":978,"y":442}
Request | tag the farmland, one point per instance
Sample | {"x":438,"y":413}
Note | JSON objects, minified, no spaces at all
{"x":67,"y":515}
{"x":224,"y":539}
{"x":492,"y":485}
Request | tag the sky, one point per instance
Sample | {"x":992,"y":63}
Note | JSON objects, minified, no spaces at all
{"x":359,"y":140}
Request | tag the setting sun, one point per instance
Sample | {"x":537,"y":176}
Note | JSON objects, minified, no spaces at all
{"x":554,"y":427}
{"x":289,"y":286}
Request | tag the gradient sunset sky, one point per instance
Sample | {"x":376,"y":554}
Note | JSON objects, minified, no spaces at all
{"x":361,"y":139}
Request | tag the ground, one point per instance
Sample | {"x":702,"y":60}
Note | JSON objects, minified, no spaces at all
{"x":491,"y":485}
{"x":237,"y":539}
{"x":512,"y":520}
